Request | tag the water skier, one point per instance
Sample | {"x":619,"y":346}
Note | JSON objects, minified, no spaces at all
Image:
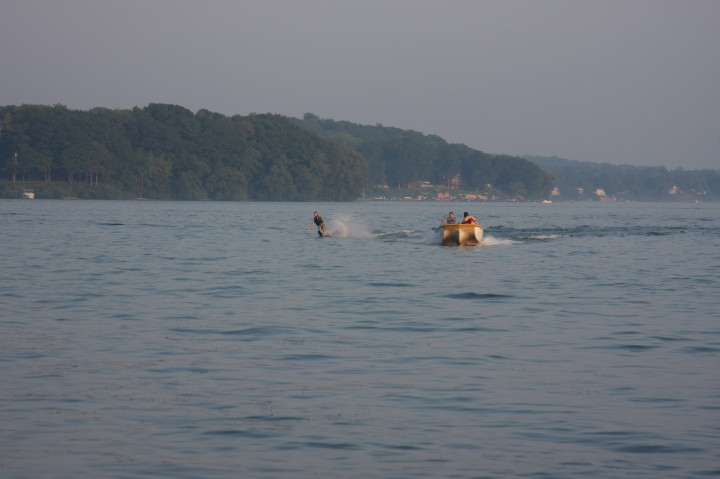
{"x":317,"y":220}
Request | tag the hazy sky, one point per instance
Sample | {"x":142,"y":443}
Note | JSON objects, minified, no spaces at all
{"x":619,"y":81}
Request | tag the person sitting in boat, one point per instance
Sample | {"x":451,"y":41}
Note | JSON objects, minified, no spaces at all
{"x":450,"y":220}
{"x":468,"y":220}
{"x":317,"y":220}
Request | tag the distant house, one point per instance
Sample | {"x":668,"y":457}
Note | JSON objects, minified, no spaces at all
{"x":474,"y":197}
{"x":600,"y":193}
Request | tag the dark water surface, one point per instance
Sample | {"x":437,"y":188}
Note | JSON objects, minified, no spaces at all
{"x":224,"y":340}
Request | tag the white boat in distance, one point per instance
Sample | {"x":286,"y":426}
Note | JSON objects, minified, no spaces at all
{"x":29,"y":195}
{"x":462,"y":234}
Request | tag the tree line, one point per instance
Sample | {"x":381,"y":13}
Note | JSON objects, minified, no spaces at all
{"x":576,"y":180}
{"x":399,"y":158}
{"x":166,"y":151}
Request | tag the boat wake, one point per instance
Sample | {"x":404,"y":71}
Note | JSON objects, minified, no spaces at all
{"x":397,"y":235}
{"x":492,"y":241}
{"x":436,"y":237}
{"x":348,"y":227}
{"x":345,"y":227}
{"x":487,"y":240}
{"x":540,"y":237}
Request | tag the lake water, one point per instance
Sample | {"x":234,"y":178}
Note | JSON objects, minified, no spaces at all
{"x":224,"y":340}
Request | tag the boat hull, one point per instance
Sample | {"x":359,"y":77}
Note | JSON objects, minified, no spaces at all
{"x":461,"y":235}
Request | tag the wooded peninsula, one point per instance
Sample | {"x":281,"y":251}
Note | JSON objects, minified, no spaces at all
{"x":168,"y":152}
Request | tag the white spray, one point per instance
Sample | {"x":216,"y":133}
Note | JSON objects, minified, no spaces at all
{"x":346,"y":227}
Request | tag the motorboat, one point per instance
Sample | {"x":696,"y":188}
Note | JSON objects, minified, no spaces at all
{"x":29,"y":195}
{"x":462,"y":234}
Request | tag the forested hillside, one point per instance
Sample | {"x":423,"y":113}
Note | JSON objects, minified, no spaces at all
{"x":167,"y":152}
{"x":404,"y":157}
{"x":577,"y":180}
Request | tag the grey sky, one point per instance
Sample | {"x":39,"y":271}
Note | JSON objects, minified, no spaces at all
{"x":618,"y":81}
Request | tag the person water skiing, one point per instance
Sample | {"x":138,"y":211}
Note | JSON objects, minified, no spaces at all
{"x":317,"y":220}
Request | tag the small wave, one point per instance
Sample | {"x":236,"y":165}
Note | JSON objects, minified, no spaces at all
{"x":656,"y":449}
{"x":666,"y":338}
{"x":253,"y":434}
{"x":657,"y":400}
{"x":224,"y":291}
{"x":396,"y":234}
{"x":472,"y":295}
{"x":700,"y":349}
{"x":547,"y":237}
{"x":273,"y":418}
{"x":630,"y":347}
{"x":712,"y":472}
{"x":552,"y":233}
{"x":392,"y":285}
{"x":521,"y":238}
{"x":400,"y":447}
{"x":499,"y":356}
{"x":153,"y":225}
{"x":331,"y":445}
{"x":492,"y":241}
{"x":256,"y":331}
{"x":306,"y":357}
